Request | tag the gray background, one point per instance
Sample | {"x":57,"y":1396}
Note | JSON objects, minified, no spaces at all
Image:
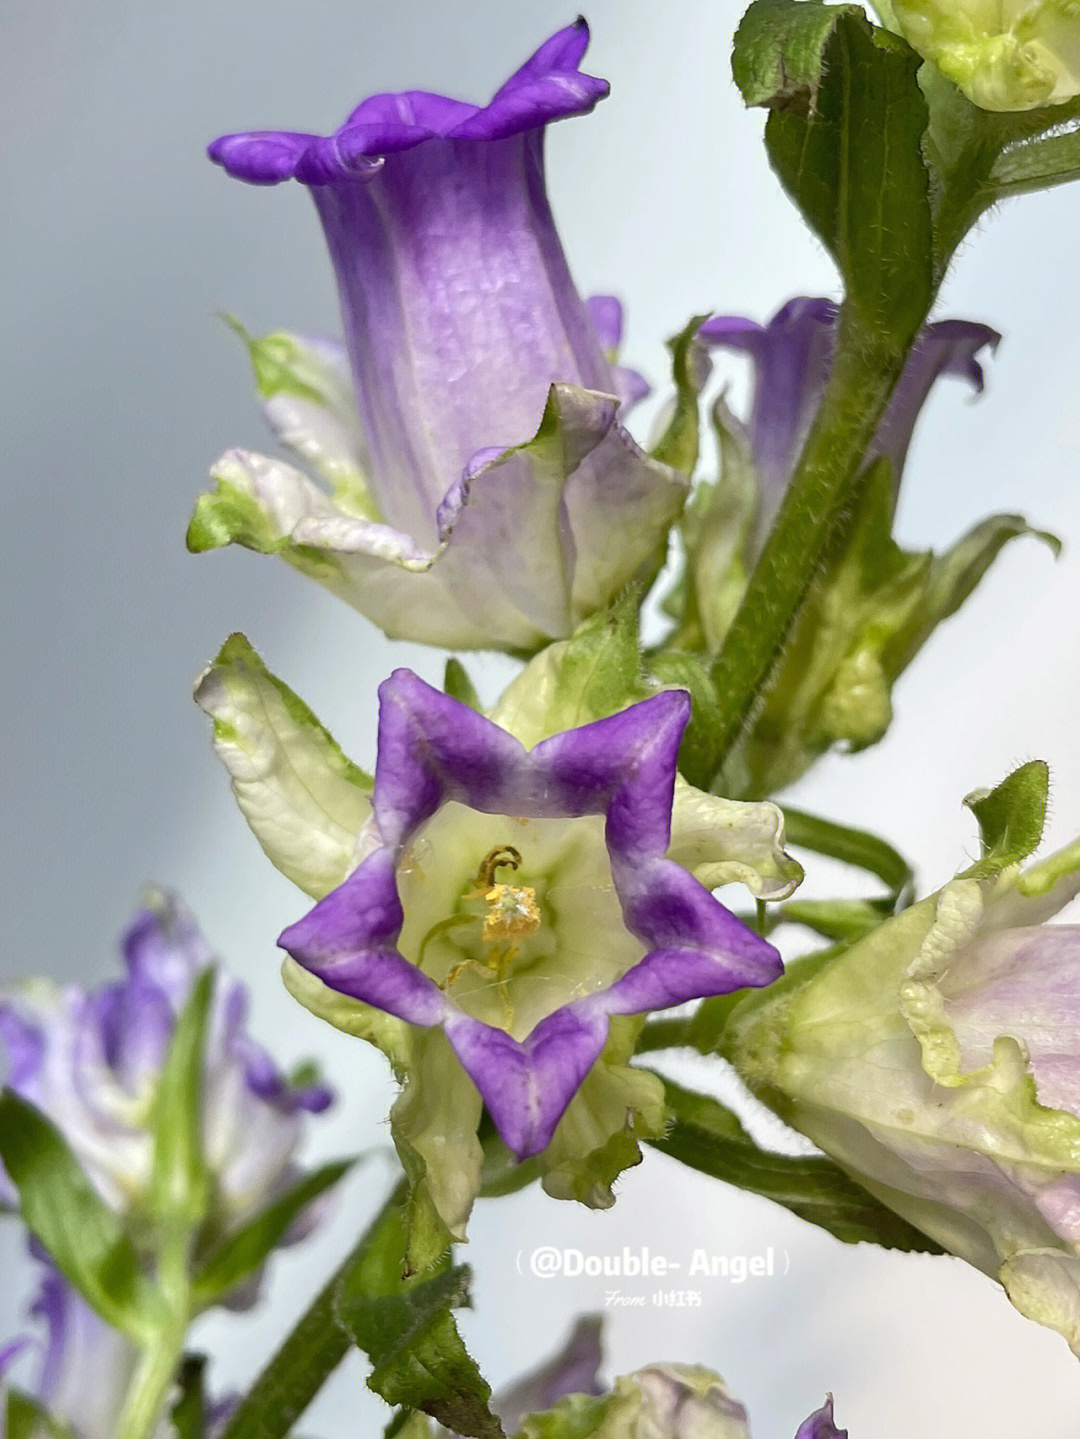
{"x":119,"y":389}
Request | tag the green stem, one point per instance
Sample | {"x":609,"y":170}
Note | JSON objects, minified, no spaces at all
{"x":863,"y":377}
{"x":309,"y":1355}
{"x":153,"y":1379}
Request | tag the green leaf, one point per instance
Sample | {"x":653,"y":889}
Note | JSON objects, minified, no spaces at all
{"x":241,"y":1253}
{"x":779,"y":53}
{"x":706,"y":1136}
{"x":418,"y":1359}
{"x":838,"y":920}
{"x":680,"y":442}
{"x":180,"y":1182}
{"x":1011,"y":818}
{"x":459,"y":686}
{"x":594,"y":673}
{"x":845,"y":137}
{"x":685,"y":671}
{"x":188,"y":1413}
{"x":63,"y":1209}
{"x":28,"y":1419}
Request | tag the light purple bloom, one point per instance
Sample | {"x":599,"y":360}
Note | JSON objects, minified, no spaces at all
{"x":792,"y":357}
{"x":938,"y":1061}
{"x":591,"y":920}
{"x":86,"y":1367}
{"x":91,"y":1061}
{"x":488,"y":402}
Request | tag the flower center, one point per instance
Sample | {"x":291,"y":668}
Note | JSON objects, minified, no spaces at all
{"x":512,"y":930}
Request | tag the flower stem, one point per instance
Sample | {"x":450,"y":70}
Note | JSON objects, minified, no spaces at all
{"x":864,"y":374}
{"x":309,"y":1355}
{"x":157,"y":1369}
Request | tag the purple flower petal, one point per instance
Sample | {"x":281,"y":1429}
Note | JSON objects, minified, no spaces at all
{"x":793,"y":356}
{"x":547,"y":87}
{"x":460,"y":319}
{"x":820,"y":1424}
{"x":434,"y":750}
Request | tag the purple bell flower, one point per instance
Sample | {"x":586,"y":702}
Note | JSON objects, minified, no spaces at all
{"x":520,"y":899}
{"x":495,"y":467}
{"x":793,"y":356}
{"x":91,"y":1061}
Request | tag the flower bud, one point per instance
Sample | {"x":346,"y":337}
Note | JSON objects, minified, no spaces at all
{"x":1012,"y":56}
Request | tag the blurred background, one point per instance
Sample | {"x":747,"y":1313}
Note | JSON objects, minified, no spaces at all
{"x":119,"y":390}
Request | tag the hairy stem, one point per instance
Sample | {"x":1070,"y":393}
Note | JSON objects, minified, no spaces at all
{"x":309,"y":1355}
{"x":863,"y":377}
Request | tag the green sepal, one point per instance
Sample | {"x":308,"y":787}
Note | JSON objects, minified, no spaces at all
{"x":1011,"y":818}
{"x":241,"y":1252}
{"x":407,"y":1330}
{"x":29,"y":1419}
{"x":845,"y":137}
{"x":64,"y":1211}
{"x":303,"y":798}
{"x":459,"y":686}
{"x":591,"y":675}
{"x":706,"y":1136}
{"x":867,"y":616}
{"x":180,"y":1186}
{"x":680,"y":442}
{"x":617,"y":1108}
{"x":577,"y":1416}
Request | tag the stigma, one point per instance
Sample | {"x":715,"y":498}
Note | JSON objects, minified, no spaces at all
{"x":513,"y":913}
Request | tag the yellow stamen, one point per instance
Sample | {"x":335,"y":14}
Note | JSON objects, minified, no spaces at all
{"x":513,"y":912}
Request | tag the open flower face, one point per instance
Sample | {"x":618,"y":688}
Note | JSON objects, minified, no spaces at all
{"x":494,"y":462}
{"x":519,"y":899}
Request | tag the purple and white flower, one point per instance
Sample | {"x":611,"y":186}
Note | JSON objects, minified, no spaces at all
{"x":495,"y":465}
{"x":91,"y":1062}
{"x":437,"y":943}
{"x":519,"y":899}
{"x":85,"y":1367}
{"x":666,"y":1401}
{"x":938,"y":1061}
{"x":792,"y":357}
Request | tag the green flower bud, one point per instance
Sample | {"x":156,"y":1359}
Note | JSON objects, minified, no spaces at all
{"x":1003,"y":54}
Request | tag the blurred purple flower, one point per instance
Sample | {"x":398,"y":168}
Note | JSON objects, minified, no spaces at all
{"x":91,"y":1061}
{"x":593,"y":920}
{"x":86,"y":1367}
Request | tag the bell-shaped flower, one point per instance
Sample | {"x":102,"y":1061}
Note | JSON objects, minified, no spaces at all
{"x":81,"y":1374}
{"x":792,"y":357}
{"x":938,"y":1061}
{"x":664,"y":1401}
{"x":92,"y":1061}
{"x":1015,"y":55}
{"x":481,"y":468}
{"x":494,"y":917}
{"x":875,"y":604}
